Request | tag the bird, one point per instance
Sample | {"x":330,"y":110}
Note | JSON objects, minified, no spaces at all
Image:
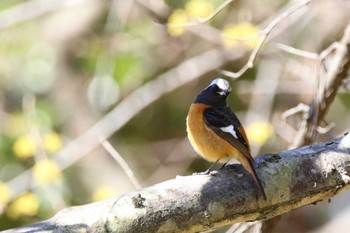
{"x":216,"y":133}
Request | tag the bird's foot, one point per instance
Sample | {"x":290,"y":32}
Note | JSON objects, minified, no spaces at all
{"x":201,"y":173}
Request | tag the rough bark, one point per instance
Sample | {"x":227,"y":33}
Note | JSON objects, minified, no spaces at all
{"x":194,"y":203}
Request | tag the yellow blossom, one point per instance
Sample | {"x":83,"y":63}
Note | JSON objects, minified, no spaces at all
{"x":24,"y":147}
{"x":5,"y":193}
{"x":25,"y":205}
{"x":245,"y":31}
{"x":44,"y":171}
{"x":259,"y":132}
{"x":178,"y":17}
{"x":103,"y":193}
{"x":52,"y":142}
{"x":199,"y":8}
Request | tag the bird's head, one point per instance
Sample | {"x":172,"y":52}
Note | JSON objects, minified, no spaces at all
{"x":215,"y":94}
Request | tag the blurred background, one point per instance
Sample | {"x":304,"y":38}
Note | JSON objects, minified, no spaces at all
{"x":76,"y":72}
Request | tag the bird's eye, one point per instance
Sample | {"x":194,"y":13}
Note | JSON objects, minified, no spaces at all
{"x":216,"y":90}
{"x":220,"y":92}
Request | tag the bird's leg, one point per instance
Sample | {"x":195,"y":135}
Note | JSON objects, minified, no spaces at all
{"x":222,"y":167}
{"x":209,"y":169}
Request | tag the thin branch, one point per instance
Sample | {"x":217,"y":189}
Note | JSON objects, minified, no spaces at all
{"x":266,"y":33}
{"x":298,"y":52}
{"x":324,"y":130}
{"x":320,"y":88}
{"x":311,"y":116}
{"x":117,"y":157}
{"x":215,"y":12}
{"x":300,"y":108}
{"x":200,"y":20}
{"x":327,"y":89}
{"x":292,"y":179}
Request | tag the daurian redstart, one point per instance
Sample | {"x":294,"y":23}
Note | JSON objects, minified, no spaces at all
{"x":215,"y":131}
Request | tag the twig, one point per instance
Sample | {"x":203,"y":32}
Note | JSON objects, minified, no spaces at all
{"x":215,"y":12}
{"x":266,"y":33}
{"x":327,"y":89}
{"x":324,"y":130}
{"x":303,"y":108}
{"x":117,"y":157}
{"x":298,"y":52}
{"x":321,"y":87}
{"x":200,"y":20}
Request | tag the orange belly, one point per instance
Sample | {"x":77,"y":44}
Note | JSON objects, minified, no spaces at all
{"x":204,"y":141}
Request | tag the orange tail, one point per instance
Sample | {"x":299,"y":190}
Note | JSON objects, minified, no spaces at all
{"x":248,"y":165}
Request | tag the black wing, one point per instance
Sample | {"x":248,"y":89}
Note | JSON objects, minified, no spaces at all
{"x":220,"y":117}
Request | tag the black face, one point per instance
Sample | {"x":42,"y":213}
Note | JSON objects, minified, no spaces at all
{"x":214,"y":95}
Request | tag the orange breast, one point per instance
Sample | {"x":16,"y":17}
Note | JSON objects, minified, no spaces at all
{"x":204,"y":141}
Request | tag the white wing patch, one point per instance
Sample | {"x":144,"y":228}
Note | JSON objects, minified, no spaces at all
{"x":230,"y":129}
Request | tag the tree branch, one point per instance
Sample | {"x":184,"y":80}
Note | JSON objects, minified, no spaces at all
{"x":194,"y":203}
{"x":337,"y":73}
